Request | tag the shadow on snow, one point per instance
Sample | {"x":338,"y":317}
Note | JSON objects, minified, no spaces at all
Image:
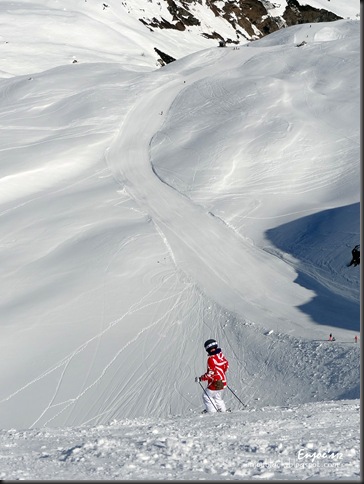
{"x":322,"y":244}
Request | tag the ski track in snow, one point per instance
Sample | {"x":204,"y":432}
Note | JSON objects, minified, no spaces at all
{"x":126,"y":302}
{"x":170,"y":209}
{"x":66,"y":361}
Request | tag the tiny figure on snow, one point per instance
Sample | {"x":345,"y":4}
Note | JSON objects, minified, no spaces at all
{"x":355,"y":261}
{"x":356,"y":339}
{"x":330,"y":337}
{"x":217,"y":365}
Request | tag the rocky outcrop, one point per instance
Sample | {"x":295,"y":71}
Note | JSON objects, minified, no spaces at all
{"x":247,"y":19}
{"x":163,"y":57}
{"x":302,"y":14}
{"x":251,"y":19}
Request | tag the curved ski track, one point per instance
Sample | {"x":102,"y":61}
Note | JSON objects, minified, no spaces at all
{"x":202,"y":246}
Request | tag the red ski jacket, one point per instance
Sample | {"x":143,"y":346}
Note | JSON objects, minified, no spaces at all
{"x":217,"y":366}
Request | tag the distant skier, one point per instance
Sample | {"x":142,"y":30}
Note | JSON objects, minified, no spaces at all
{"x":330,"y":337}
{"x":356,"y":256}
{"x":217,"y":365}
{"x":356,"y":339}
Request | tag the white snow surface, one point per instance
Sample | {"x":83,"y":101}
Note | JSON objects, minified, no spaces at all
{"x":144,"y":210}
{"x":308,"y":441}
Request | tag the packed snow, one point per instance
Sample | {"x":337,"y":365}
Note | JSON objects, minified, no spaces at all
{"x":147,"y":209}
{"x":308,"y":441}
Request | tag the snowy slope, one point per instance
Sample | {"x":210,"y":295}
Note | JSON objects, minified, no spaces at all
{"x":145,"y":210}
{"x":310,"y":441}
{"x":39,"y":35}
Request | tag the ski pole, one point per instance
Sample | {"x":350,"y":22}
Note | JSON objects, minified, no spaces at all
{"x":208,"y":397}
{"x":236,"y":396}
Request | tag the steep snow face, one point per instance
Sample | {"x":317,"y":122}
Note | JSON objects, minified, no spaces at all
{"x":39,"y":35}
{"x":146,"y":210}
{"x":259,"y":178}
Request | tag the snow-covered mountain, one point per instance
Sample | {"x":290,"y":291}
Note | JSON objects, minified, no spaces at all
{"x":232,"y":21}
{"x":145,"y":209}
{"x":141,"y":33}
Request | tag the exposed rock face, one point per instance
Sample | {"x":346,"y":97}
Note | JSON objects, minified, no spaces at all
{"x":250,"y":19}
{"x":302,"y":14}
{"x":227,"y":21}
{"x":164,"y":58}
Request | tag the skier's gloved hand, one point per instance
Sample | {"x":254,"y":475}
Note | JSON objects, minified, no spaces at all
{"x":219,"y":385}
{"x":197,"y":379}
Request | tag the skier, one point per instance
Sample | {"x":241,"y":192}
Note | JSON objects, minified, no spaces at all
{"x":356,"y":256}
{"x":330,"y":337}
{"x":217,"y":366}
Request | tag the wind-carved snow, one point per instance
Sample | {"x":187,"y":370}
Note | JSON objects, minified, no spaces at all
{"x":143,"y":212}
{"x":187,"y":226}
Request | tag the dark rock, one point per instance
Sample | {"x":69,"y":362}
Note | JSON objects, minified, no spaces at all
{"x":164,"y":58}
